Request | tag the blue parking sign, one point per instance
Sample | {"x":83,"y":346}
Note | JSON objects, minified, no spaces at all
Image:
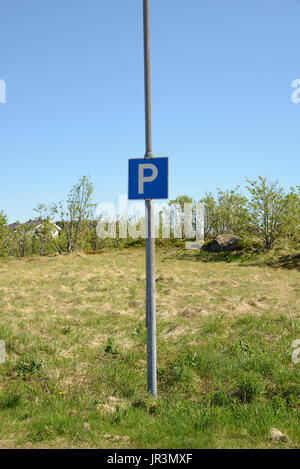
{"x":148,"y":178}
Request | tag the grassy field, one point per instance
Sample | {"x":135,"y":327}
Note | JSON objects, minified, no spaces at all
{"x":75,"y":373}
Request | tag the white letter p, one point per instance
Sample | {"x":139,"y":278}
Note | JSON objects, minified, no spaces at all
{"x":143,"y":178}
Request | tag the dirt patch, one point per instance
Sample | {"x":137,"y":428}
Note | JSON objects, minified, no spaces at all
{"x":94,"y":253}
{"x":7,"y":444}
{"x":190,"y":312}
{"x":111,"y":405}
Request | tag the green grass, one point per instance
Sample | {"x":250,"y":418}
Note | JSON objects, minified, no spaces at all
{"x":75,"y":374}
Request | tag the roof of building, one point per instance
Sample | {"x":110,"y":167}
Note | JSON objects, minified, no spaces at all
{"x":30,"y":223}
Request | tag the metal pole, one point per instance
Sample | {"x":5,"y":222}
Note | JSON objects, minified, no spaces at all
{"x":150,"y":222}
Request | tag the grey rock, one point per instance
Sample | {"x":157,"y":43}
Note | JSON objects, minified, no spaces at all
{"x":225,"y":242}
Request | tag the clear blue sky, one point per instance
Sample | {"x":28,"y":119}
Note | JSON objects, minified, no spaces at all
{"x":221,"y":89}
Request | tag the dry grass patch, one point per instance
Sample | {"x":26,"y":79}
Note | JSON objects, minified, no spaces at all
{"x":74,"y":327}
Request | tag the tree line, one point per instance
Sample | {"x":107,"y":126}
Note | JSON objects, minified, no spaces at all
{"x":267,"y":213}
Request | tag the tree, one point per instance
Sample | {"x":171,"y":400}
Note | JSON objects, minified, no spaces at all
{"x":227,"y":213}
{"x":292,"y":213}
{"x":91,"y":239}
{"x":211,"y":218}
{"x":177,"y":213}
{"x":45,"y":232}
{"x":23,"y":239}
{"x":77,"y":212}
{"x":181,"y":200}
{"x":270,"y":210}
{"x":4,"y":232}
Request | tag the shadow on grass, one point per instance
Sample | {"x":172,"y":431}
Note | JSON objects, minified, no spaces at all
{"x":251,"y":258}
{"x":286,"y":262}
{"x":206,"y":256}
{"x":289,"y":262}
